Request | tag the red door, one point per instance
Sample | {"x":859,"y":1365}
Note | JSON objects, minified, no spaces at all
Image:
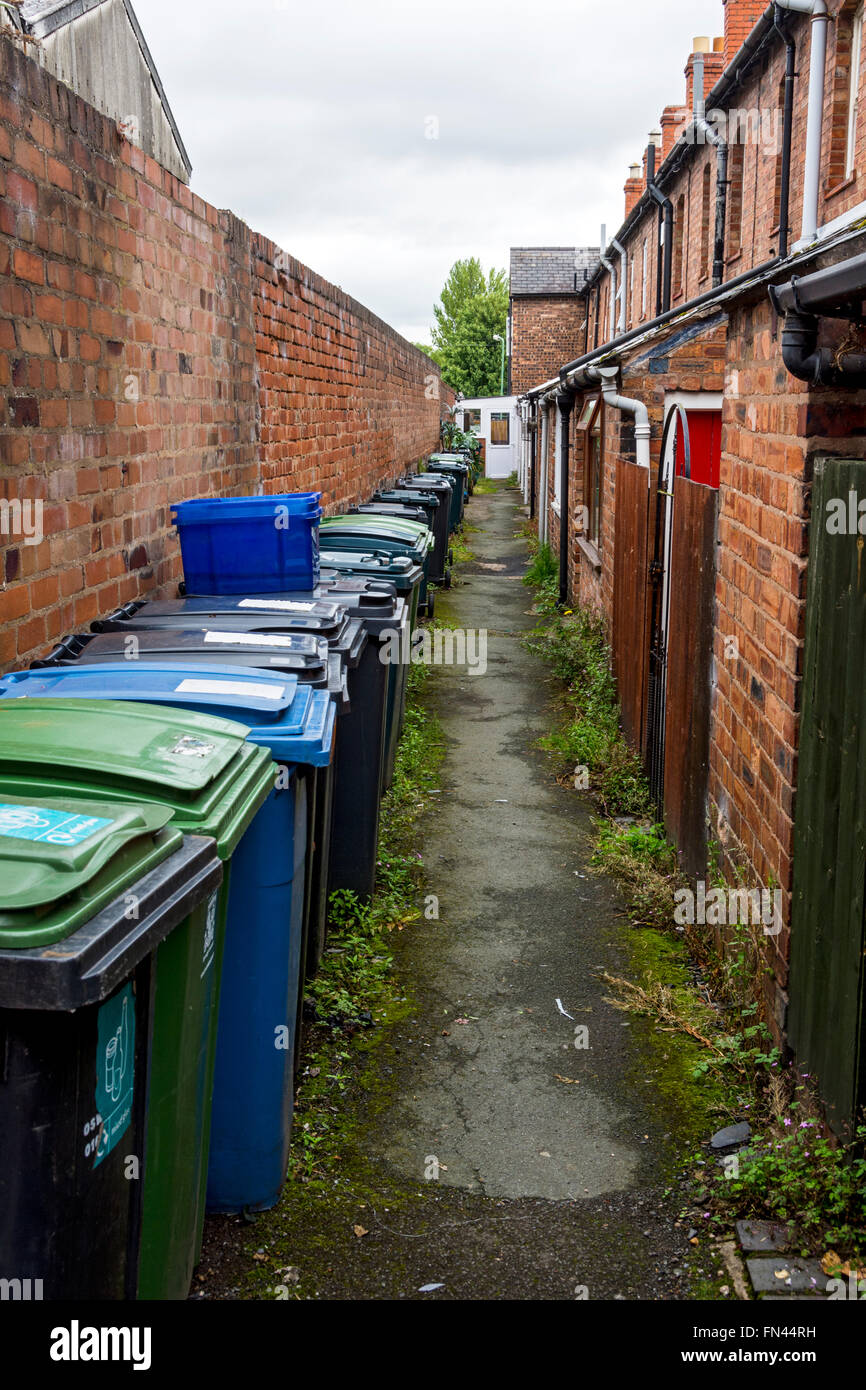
{"x":705,"y":447}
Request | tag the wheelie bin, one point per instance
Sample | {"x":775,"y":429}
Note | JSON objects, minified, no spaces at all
{"x":232,"y":545}
{"x":92,"y":897}
{"x":360,"y":728}
{"x":453,"y":466}
{"x":253,"y":1088}
{"x":390,"y":534}
{"x":437,"y":508}
{"x":215,"y":784}
{"x":360,"y":736}
{"x":365,"y":563}
{"x":438,"y":480}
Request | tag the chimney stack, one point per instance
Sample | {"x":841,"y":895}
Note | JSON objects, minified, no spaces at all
{"x":634,"y":187}
{"x":741,"y":16}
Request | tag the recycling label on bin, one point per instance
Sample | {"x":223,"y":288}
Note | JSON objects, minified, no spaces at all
{"x":278,"y":605}
{"x":115,"y":1073}
{"x":248,"y":639}
{"x":39,"y":823}
{"x":274,"y":693}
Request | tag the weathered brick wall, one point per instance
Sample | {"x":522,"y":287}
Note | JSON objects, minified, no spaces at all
{"x":545,"y":332}
{"x":149,"y":354}
{"x":345,"y":402}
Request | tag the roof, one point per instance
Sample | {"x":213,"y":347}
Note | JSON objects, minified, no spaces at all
{"x":551,"y":269}
{"x":44,"y":17}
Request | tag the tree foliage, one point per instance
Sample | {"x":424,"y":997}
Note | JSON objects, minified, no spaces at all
{"x":472,"y":308}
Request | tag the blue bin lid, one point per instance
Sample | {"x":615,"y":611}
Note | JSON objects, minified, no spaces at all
{"x":304,"y":505}
{"x":293,"y":720}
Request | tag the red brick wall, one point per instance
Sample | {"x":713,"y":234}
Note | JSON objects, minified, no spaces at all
{"x":545,"y":332}
{"x":148,"y":354}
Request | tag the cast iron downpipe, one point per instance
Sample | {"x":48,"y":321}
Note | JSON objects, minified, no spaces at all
{"x":787,"y":131}
{"x":836,"y":292}
{"x":565,"y":401}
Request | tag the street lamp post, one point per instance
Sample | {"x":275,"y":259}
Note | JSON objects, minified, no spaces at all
{"x":498,"y":338}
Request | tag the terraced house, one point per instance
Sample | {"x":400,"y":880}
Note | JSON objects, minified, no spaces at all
{"x":698,"y":467}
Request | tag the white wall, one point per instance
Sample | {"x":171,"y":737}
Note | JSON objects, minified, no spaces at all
{"x":502,"y":459}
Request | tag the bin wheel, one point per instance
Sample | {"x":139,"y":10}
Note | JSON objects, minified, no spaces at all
{"x":447,"y":579}
{"x":451,"y":556}
{"x":431,"y":606}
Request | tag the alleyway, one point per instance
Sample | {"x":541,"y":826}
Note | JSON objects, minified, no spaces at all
{"x":545,"y":1184}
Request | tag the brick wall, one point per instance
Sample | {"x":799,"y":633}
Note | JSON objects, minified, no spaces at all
{"x":150,"y":352}
{"x":545,"y":332}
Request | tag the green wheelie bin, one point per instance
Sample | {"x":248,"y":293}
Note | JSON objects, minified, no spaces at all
{"x":214,"y":783}
{"x":92,"y":892}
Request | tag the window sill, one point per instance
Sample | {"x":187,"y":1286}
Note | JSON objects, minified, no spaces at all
{"x":837,"y":188}
{"x":591,"y":554}
{"x":734,"y":257}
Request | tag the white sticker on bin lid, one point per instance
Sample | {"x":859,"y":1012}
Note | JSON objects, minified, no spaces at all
{"x":277,"y":605}
{"x":274,"y":693}
{"x":249,"y":639}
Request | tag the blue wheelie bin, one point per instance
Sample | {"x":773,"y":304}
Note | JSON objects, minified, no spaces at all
{"x":259,"y":1010}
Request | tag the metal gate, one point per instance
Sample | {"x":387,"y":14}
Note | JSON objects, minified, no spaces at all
{"x":827,"y":987}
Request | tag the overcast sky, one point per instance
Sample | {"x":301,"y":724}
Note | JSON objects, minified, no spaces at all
{"x":312,"y":122}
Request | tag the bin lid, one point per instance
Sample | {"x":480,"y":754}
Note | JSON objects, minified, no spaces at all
{"x":376,"y":605}
{"x":401,"y":570}
{"x":63,"y":859}
{"x":294,"y":721}
{"x":88,"y":965}
{"x":302,"y":655}
{"x":327,"y":621}
{"x":395,"y":495}
{"x":379,"y":532}
{"x":198,"y":765}
{"x":391,"y":526}
{"x":228,"y":510}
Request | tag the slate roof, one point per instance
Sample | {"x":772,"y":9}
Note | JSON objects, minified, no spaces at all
{"x":551,"y":269}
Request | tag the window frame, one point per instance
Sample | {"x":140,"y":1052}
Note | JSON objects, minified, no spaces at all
{"x":853,"y":111}
{"x":590,"y":427}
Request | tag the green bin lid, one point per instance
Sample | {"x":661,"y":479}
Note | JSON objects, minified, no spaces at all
{"x":62,"y":860}
{"x":195,"y":764}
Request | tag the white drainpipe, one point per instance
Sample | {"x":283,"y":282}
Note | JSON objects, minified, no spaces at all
{"x":814,"y":125}
{"x":642,"y":428}
{"x":542,"y":490}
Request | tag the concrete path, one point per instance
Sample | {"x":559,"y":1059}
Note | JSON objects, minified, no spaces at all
{"x":490,"y":1155}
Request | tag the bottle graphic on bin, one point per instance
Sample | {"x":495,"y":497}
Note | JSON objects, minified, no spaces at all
{"x":116,"y":1056}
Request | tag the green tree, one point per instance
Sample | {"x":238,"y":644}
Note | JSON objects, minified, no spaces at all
{"x":472,"y":308}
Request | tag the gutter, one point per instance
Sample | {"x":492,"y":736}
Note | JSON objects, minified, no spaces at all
{"x":835,"y":292}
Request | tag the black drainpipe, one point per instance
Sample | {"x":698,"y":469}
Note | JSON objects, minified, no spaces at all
{"x":836,"y":292}
{"x":787,"y":131}
{"x":565,"y":401}
{"x":597,"y":311}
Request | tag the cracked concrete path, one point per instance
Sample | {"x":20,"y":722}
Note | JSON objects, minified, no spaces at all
{"x":523,"y":924}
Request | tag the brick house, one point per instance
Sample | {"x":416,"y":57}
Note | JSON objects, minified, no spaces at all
{"x":693,"y":446}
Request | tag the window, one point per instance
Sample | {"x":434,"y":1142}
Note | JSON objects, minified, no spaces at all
{"x":629,"y":314}
{"x":589,"y":428}
{"x":854,"y":91}
{"x":736,"y":166}
{"x":679,"y":258}
{"x":472,"y":420}
{"x":706,"y":206}
{"x":499,"y":428}
{"x":845,"y":95}
{"x":643,"y":294}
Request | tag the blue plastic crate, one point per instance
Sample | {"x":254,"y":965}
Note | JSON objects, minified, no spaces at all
{"x":241,"y":545}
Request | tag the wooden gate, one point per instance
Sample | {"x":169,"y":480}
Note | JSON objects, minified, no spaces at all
{"x":683,"y":575}
{"x":826,"y":987}
{"x":630,"y":599}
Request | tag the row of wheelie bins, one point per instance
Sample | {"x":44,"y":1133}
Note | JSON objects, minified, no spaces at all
{"x":182,"y":789}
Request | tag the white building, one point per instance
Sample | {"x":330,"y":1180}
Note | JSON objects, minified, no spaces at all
{"x":495,"y":420}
